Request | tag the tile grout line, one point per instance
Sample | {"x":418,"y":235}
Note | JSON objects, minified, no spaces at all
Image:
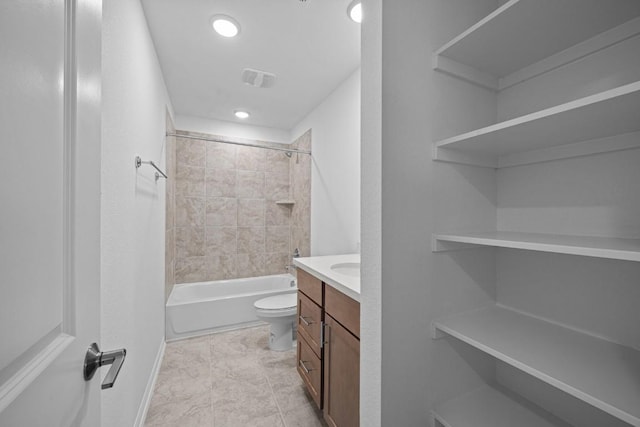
{"x":284,"y":422}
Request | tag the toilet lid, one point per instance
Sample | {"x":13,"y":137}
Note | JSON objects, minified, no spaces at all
{"x":277,"y":302}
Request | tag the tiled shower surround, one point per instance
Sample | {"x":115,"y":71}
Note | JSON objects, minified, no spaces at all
{"x":228,"y":223}
{"x":170,"y":231}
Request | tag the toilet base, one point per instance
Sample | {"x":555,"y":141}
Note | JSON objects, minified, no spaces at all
{"x":281,"y":336}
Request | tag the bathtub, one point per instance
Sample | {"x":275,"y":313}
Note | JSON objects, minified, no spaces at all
{"x":201,"y":308}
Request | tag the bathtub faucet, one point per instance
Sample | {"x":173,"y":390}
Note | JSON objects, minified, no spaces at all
{"x":290,"y":267}
{"x":296,"y":254}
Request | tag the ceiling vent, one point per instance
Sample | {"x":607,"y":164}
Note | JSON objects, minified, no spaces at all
{"x":257,"y":78}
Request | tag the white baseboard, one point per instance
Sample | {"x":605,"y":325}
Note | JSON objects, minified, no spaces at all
{"x":148,"y":392}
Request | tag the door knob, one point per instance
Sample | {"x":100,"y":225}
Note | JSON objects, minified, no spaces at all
{"x":96,"y":358}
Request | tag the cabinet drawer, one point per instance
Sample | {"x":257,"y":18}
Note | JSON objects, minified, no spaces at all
{"x":310,"y":369}
{"x":309,"y":321}
{"x":342,"y":308}
{"x":311,"y":286}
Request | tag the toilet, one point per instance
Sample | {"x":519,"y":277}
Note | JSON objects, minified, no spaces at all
{"x":280,"y":312}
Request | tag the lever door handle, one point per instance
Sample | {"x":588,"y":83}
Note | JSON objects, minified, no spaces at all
{"x":96,"y":358}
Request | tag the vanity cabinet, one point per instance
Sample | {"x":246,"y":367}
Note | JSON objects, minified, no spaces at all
{"x":341,"y":366}
{"x":329,"y":349}
{"x":310,"y":322}
{"x":310,"y":369}
{"x":310,"y":285}
{"x":310,"y":318}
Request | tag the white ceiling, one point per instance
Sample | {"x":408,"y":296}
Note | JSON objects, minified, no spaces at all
{"x":311,"y":46}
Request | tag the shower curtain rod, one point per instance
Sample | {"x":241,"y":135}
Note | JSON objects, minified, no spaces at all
{"x":201,"y":138}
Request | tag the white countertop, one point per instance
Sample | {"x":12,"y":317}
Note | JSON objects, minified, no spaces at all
{"x":320,"y":266}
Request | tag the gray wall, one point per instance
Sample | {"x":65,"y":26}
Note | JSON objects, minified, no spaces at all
{"x":371,"y":216}
{"x":135,"y":103}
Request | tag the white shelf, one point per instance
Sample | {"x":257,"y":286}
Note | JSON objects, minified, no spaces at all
{"x":519,"y":41}
{"x":599,"y":247}
{"x":488,"y":407}
{"x":523,"y":32}
{"x":609,"y":113}
{"x":598,"y":372}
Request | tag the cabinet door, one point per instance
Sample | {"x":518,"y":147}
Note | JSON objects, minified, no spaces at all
{"x":341,"y":376}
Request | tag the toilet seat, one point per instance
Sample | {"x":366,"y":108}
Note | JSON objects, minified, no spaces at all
{"x":277,"y":305}
{"x":277,"y":302}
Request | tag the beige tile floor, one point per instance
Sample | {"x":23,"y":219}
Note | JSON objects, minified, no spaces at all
{"x":230,"y":379}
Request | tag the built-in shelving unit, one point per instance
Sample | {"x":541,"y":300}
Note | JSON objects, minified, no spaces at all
{"x":599,"y":372}
{"x":537,"y":30}
{"x":488,"y":407}
{"x":564,"y":326}
{"x":609,"y":113}
{"x":599,"y":247}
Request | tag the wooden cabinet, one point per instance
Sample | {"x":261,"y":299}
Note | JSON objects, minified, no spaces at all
{"x":341,"y":366}
{"x":329,"y":349}
{"x":310,"y":369}
{"x":310,"y":322}
{"x":343,"y":309}
{"x":311,"y":286}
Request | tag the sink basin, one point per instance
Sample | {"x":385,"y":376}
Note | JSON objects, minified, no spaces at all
{"x":347,"y":268}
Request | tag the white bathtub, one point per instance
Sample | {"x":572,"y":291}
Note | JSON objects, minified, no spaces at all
{"x":200,"y":308}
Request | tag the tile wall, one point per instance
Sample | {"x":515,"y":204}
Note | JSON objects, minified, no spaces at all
{"x":300,"y":179}
{"x":227,"y":222}
{"x":170,"y":232}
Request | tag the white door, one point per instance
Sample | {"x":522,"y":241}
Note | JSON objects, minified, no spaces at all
{"x":49,"y":210}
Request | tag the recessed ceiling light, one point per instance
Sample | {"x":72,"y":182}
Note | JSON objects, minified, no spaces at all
{"x":225,"y":25}
{"x":241,"y":114}
{"x":355,"y":11}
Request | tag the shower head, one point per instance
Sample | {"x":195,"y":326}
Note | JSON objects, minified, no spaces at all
{"x":288,"y":154}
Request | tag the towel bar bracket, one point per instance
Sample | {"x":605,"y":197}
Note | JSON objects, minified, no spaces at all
{"x":159,"y":172}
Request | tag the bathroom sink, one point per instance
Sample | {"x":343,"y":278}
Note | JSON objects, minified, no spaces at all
{"x":347,"y":268}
